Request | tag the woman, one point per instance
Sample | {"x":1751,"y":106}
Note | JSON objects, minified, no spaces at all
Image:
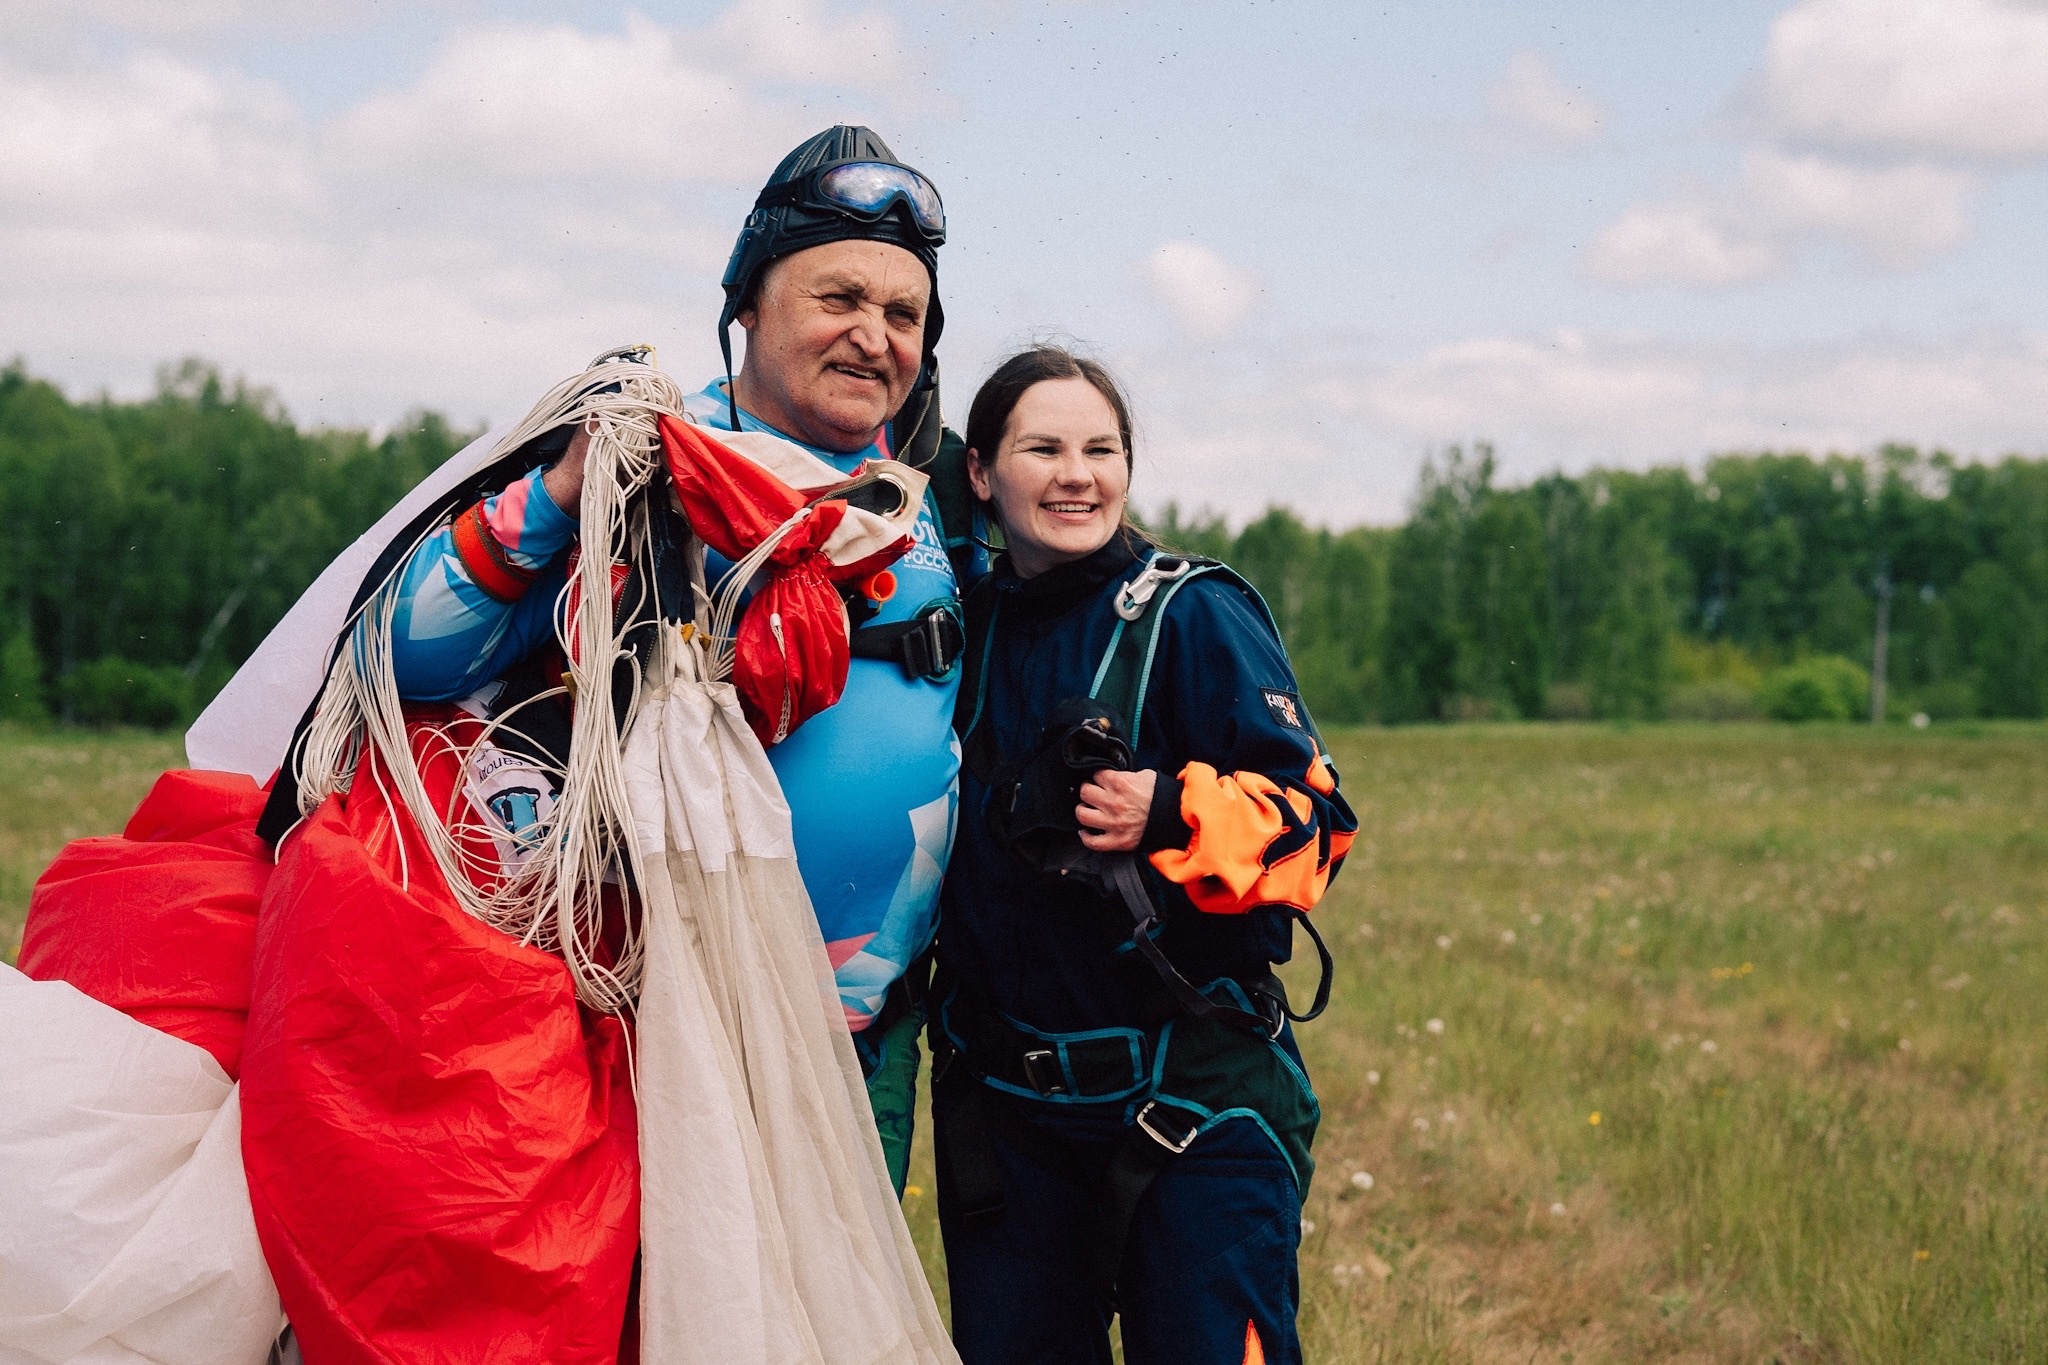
{"x":1121,"y":1116}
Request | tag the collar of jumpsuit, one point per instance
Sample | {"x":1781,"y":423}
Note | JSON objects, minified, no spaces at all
{"x":1064,"y":585}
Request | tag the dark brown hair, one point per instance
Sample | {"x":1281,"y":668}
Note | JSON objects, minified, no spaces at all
{"x":999,"y":394}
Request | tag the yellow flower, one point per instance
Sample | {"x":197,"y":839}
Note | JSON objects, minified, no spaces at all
{"x":1594,"y":1118}
{"x":911,"y":1191}
{"x":1922,"y":1254}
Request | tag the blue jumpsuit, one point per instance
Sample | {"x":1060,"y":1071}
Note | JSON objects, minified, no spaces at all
{"x":1247,"y":822}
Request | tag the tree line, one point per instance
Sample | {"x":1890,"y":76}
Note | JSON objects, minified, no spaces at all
{"x":1761,"y":584}
{"x":152,"y":544}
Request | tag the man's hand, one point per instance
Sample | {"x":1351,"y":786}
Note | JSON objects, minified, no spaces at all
{"x":1113,"y":810}
{"x":564,"y":480}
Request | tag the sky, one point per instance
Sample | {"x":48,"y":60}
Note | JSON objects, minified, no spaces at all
{"x":1319,"y":241}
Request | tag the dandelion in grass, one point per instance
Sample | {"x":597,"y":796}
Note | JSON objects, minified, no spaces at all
{"x":1507,"y":937}
{"x":1421,"y":1124}
{"x":1307,"y":1227}
{"x":1443,"y":941}
{"x":1535,"y":920}
{"x":1450,"y":1116}
{"x":1362,"y":1179}
{"x":912,"y":1191}
{"x":1709,"y":1046}
{"x":1905,"y":1044}
{"x":1593,"y":1119}
{"x":1922,"y":1254}
{"x":1372,"y":1078}
{"x":1435,"y":1026}
{"x":1557,"y":1210}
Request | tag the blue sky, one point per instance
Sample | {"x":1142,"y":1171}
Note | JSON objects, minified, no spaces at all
{"x":1319,"y":241}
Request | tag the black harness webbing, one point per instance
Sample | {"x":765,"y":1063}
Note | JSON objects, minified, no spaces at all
{"x":927,"y":645}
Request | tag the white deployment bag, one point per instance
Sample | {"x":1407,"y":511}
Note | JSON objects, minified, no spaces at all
{"x":770,"y":1232}
{"x":125,"y":1231}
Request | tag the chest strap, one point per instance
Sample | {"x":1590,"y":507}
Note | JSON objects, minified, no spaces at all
{"x":928,"y":645}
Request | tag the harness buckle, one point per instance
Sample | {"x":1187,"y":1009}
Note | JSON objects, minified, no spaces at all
{"x":1175,"y":1145}
{"x":1044,"y":1057}
{"x":931,"y":650}
{"x":1134,"y":596}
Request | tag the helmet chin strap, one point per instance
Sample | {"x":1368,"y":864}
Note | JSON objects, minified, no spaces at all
{"x":732,"y":397}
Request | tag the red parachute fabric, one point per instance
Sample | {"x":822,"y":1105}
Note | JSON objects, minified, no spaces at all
{"x":160,"y":923}
{"x":440,"y":1142}
{"x":791,"y":652}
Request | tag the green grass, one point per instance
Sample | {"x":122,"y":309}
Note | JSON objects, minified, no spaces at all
{"x":59,"y":785}
{"x":1853,"y":921}
{"x":1856,"y":921}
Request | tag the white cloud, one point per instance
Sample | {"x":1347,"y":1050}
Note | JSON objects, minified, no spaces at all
{"x":799,"y":41}
{"x":152,"y":138}
{"x":1698,"y":243}
{"x":641,"y":105}
{"x":1206,"y":295}
{"x":1576,"y":400}
{"x":1340,"y":435}
{"x":1943,"y":78}
{"x":1899,"y":216}
{"x":1895,"y":217}
{"x":645,"y":105}
{"x":535,"y":193}
{"x":185,"y":18}
{"x":1532,"y":95}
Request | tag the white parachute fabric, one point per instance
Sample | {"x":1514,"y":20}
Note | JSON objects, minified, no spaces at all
{"x":125,"y":1230}
{"x":769,"y":1230}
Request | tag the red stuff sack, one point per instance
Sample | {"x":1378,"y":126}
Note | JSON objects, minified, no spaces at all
{"x":160,"y":923}
{"x":440,"y":1141}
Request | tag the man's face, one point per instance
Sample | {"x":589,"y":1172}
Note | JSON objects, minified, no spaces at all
{"x":834,"y":341}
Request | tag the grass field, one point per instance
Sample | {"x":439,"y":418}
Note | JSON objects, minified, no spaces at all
{"x":1716,"y":1044}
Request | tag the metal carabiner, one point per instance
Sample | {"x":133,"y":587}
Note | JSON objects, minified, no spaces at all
{"x":1132,"y":600}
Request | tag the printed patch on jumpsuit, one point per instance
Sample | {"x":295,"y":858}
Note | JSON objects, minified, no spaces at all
{"x":1285,"y":706}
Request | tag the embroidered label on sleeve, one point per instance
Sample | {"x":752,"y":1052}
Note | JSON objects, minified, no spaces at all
{"x":1285,"y":706}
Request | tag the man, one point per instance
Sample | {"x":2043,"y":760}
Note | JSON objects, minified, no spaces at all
{"x":834,"y":279}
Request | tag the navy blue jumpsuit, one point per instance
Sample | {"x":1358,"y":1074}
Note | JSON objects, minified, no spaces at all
{"x":1247,"y":820}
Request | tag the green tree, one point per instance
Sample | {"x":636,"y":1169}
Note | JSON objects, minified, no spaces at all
{"x":1419,"y":659}
{"x":1629,"y":654}
{"x":2003,"y":625}
{"x":1502,"y":608}
{"x":21,"y":679}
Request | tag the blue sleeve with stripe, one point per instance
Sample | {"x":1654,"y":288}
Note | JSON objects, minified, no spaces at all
{"x":449,"y":636}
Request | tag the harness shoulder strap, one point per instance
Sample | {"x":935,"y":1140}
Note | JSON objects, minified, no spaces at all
{"x":979,"y":608}
{"x":1126,"y":668}
{"x":1120,"y":683}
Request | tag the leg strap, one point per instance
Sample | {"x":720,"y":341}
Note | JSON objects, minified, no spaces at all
{"x":1162,"y":1132}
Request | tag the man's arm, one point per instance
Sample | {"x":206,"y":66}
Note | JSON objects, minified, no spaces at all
{"x":478,"y":594}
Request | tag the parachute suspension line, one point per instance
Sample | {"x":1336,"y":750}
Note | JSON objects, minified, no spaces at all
{"x":732,"y":589}
{"x":553,"y":896}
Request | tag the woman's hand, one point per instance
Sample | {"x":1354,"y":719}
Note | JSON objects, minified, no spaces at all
{"x":1113,"y":810}
{"x":564,"y":479}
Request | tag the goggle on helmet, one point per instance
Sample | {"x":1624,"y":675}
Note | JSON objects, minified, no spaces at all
{"x":866,"y":190}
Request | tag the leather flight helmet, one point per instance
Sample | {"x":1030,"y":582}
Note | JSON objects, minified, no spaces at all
{"x":842,"y":185}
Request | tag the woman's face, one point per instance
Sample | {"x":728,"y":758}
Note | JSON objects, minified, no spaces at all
{"x":1059,"y":477}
